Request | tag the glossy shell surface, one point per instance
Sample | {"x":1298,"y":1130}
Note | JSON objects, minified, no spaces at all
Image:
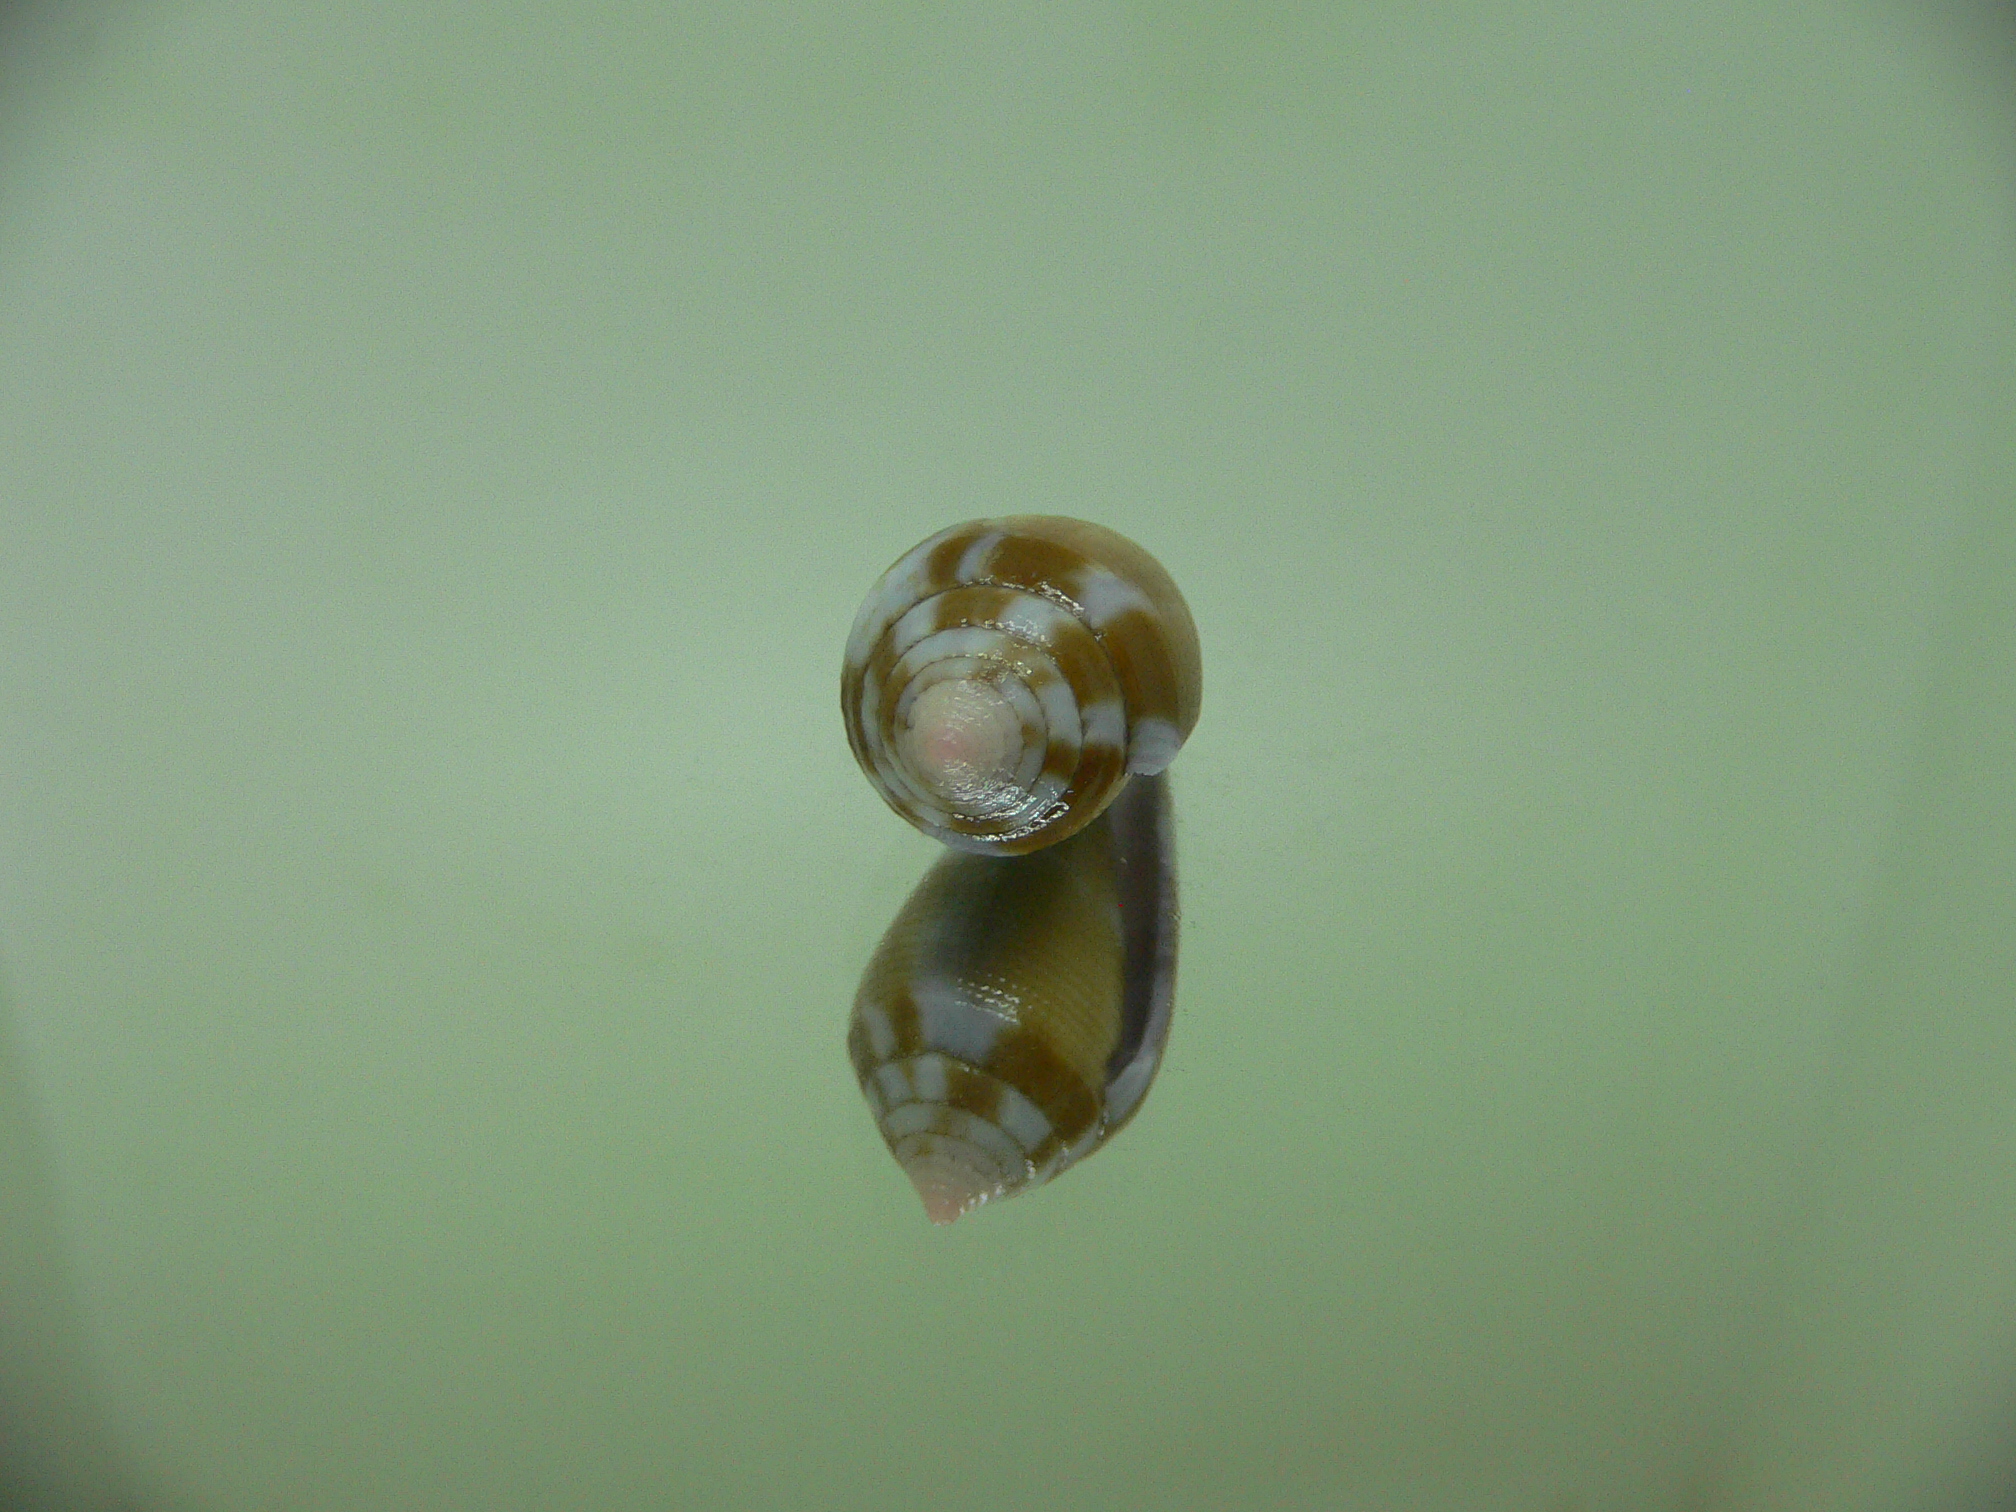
{"x":1005,"y":677}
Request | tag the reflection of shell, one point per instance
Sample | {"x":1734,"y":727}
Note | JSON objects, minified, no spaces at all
{"x":1015,"y":1013}
{"x":1004,"y":678}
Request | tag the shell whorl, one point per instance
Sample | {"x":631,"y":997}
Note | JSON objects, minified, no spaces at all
{"x":1004,"y":678}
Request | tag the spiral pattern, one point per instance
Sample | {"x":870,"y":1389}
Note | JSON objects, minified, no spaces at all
{"x":1005,"y":676}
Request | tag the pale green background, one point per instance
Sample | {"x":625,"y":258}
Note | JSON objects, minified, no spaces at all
{"x":441,"y":448}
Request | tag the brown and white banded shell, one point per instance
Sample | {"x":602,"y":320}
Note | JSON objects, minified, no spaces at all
{"x":1006,"y":676}
{"x":1014,"y":1014}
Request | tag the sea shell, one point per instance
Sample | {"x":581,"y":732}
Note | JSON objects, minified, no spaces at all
{"x":1005,"y":677}
{"x":1015,"y":687}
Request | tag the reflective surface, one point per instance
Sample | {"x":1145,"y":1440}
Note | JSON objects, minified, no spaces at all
{"x":440,"y":452}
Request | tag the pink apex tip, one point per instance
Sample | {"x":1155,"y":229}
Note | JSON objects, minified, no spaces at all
{"x":946,"y":1187}
{"x":964,"y":738}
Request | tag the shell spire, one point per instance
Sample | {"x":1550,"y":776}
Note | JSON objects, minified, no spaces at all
{"x":1005,"y":677}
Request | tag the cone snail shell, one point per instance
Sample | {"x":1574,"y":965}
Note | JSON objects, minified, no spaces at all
{"x":1013,"y":1016}
{"x":1005,"y":677}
